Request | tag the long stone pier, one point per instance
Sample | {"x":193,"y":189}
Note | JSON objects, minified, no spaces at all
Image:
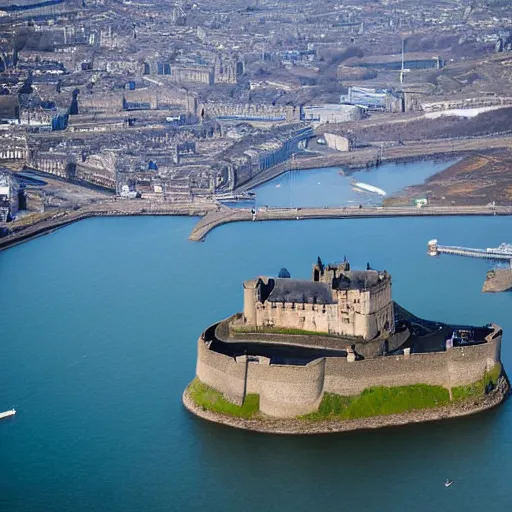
{"x":214,"y":219}
{"x":213,"y":215}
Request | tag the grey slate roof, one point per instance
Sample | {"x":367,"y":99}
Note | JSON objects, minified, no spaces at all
{"x":301,"y":292}
{"x":358,"y":280}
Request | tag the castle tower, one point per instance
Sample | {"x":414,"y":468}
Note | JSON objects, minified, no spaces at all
{"x":250,"y":299}
{"x":328,"y":273}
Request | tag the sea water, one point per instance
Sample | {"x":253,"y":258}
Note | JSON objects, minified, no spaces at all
{"x":327,"y":187}
{"x":98,"y":329}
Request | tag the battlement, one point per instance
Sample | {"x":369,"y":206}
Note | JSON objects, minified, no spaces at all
{"x":292,"y":381}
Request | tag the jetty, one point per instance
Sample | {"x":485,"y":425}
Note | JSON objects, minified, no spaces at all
{"x":7,"y":414}
{"x":501,"y":253}
{"x":224,"y":216}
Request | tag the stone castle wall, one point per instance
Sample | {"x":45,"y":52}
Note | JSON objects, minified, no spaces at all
{"x":308,"y":317}
{"x":292,"y":390}
{"x":361,"y":313}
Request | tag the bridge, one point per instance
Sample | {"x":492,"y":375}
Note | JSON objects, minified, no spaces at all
{"x":226,"y":215}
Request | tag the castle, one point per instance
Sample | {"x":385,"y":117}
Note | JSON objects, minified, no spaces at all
{"x":339,"y":333}
{"x":337,"y":301}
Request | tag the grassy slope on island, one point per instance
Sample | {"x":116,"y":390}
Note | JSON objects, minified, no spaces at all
{"x":380,"y":401}
{"x":210,"y":399}
{"x":375,"y":401}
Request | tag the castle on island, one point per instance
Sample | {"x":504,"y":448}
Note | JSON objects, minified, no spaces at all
{"x":337,"y":300}
{"x":339,"y":333}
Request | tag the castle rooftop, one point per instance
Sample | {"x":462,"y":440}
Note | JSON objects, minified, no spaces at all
{"x":300,"y":292}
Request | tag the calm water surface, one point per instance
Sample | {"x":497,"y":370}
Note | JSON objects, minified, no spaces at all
{"x":98,"y":330}
{"x":325,"y":187}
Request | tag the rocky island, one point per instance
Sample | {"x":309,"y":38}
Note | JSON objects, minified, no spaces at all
{"x":498,"y":280}
{"x":336,"y":353}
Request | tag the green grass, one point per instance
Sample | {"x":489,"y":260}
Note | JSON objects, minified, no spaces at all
{"x":376,"y":401}
{"x":478,"y":388}
{"x":380,"y":401}
{"x":279,"y":330}
{"x":493,"y":374}
{"x":210,"y":399}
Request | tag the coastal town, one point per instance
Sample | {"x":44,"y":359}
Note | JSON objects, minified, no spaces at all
{"x":190,"y":104}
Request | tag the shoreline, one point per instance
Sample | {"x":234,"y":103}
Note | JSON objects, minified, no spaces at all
{"x":305,"y":427}
{"x":433,"y":149}
{"x":212,"y":216}
{"x":67,"y":217}
{"x":334,"y":160}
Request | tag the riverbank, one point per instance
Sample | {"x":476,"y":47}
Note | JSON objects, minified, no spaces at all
{"x":477,"y":179}
{"x":303,"y":427}
{"x":373,"y":155}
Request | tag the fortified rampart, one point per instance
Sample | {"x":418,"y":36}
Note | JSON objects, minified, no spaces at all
{"x":288,"y":390}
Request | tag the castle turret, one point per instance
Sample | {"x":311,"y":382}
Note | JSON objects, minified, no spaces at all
{"x":250,"y":299}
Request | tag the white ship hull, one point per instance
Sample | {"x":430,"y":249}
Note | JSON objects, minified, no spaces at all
{"x":368,"y":188}
{"x":6,"y":414}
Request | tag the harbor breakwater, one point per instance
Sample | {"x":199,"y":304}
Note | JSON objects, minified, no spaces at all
{"x":214,"y":219}
{"x":213,"y":215}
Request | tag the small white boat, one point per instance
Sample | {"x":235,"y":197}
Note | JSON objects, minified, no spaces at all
{"x":278,"y":185}
{"x":448,"y":483}
{"x":8,"y":413}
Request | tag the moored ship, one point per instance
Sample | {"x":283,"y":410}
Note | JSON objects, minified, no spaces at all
{"x":7,"y":414}
{"x":368,"y":188}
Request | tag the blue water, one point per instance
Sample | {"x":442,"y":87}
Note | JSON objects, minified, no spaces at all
{"x":325,"y":187}
{"x":98,"y":330}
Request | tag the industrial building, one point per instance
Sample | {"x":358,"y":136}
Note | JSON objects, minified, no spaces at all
{"x":399,"y":61}
{"x":9,"y":196}
{"x":331,"y":113}
{"x":371,"y":98}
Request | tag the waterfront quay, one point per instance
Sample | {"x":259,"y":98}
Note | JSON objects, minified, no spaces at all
{"x":63,"y":218}
{"x":213,"y":214}
{"x":214,"y":219}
